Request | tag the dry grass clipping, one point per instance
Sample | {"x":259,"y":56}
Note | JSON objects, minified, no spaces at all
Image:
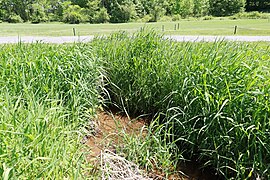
{"x":116,"y":167}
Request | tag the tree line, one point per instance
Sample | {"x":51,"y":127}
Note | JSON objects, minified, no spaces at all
{"x":120,"y":11}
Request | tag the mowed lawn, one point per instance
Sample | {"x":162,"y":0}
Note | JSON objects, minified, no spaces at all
{"x":216,"y":26}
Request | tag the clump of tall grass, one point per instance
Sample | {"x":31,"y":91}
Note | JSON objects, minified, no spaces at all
{"x":151,"y":149}
{"x":215,"y":96}
{"x":46,"y":92}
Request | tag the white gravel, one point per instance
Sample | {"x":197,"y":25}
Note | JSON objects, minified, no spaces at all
{"x":71,"y":39}
{"x":44,"y":39}
{"x":219,"y":38}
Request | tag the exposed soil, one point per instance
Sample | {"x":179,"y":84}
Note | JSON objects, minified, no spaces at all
{"x":107,"y":127}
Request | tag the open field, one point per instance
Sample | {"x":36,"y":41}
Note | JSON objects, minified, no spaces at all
{"x":193,"y":27}
{"x":207,"y":101}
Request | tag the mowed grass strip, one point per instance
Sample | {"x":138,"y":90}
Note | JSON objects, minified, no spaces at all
{"x":47,"y":93}
{"x":186,"y":27}
{"x":213,"y":97}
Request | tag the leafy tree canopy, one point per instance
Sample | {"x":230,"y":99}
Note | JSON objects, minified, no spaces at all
{"x":116,"y":11}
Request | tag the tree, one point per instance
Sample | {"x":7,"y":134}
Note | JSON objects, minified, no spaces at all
{"x":18,"y":8}
{"x":201,"y":8}
{"x":73,"y":14}
{"x":93,"y":6}
{"x":38,"y":13}
{"x":184,"y":7}
{"x":96,"y":13}
{"x":226,"y":7}
{"x":156,"y":12}
{"x":55,"y":10}
{"x":122,"y":11}
{"x":140,"y":12}
{"x":258,"y":5}
{"x":155,"y":8}
{"x":81,"y":3}
{"x":22,"y":8}
{"x":102,"y":16}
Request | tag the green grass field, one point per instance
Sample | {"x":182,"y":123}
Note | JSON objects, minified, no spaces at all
{"x":187,"y":27}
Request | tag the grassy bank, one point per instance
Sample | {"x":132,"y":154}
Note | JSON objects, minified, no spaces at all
{"x":47,"y":94}
{"x":222,"y":26}
{"x":213,"y":97}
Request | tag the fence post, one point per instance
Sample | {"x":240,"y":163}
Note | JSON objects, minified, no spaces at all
{"x":175,"y":27}
{"x":74,"y":32}
{"x":163,"y":28}
{"x":235,"y":29}
{"x":178,"y":26}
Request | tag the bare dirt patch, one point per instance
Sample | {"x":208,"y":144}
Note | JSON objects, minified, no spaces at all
{"x":108,"y":129}
{"x":106,"y":135}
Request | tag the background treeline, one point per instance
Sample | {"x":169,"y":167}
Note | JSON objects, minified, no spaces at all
{"x":119,"y":11}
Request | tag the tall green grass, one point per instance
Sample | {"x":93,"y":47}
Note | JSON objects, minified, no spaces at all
{"x":212,"y":99}
{"x":215,"y":96}
{"x":47,"y":93}
{"x":151,"y":149}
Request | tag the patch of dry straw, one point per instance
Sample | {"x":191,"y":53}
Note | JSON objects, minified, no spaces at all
{"x":114,"y":167}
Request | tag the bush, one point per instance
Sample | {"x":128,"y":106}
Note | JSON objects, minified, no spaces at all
{"x":38,"y":19}
{"x":176,"y":17}
{"x":252,"y":15}
{"x":207,"y":17}
{"x":233,"y":17}
{"x":15,"y":19}
{"x":165,"y":19}
{"x":145,"y":18}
